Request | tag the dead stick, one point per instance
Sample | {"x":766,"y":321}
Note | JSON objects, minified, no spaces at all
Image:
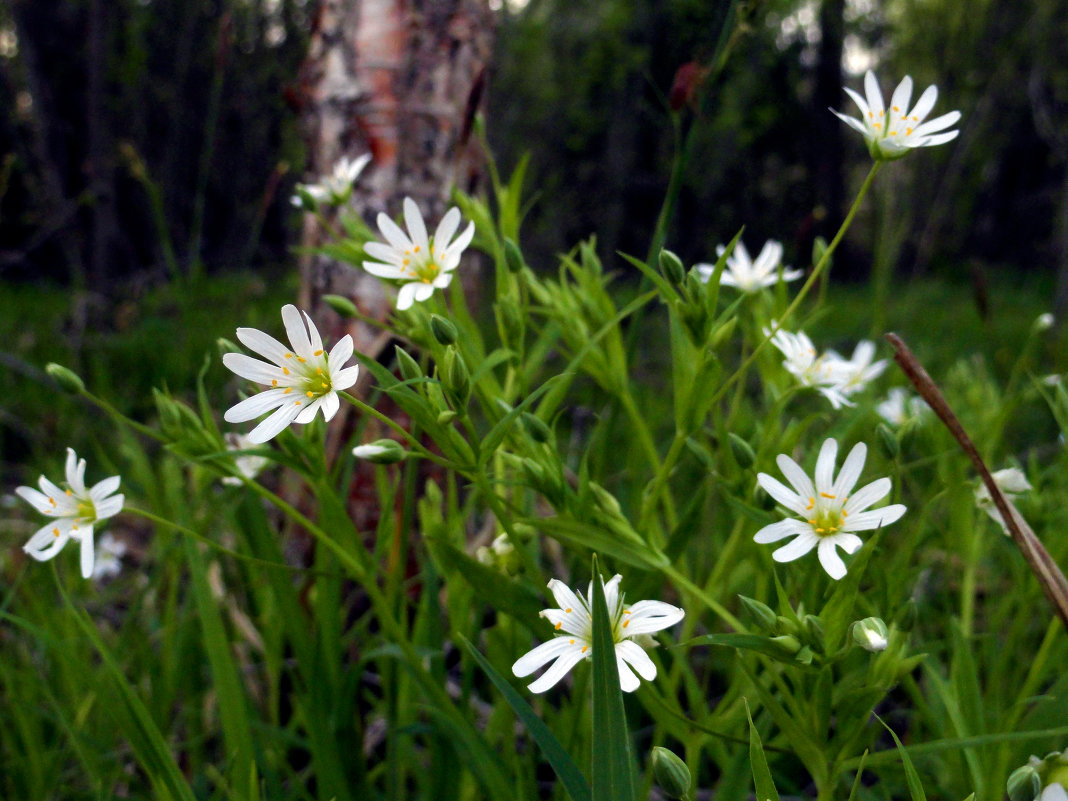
{"x":1042,"y":565}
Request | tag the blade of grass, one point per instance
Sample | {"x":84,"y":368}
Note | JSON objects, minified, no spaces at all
{"x":566,"y":770}
{"x":612,"y":779}
{"x":762,"y":781}
{"x":912,"y":778}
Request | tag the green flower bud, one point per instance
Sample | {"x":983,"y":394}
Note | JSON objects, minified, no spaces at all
{"x":671,"y":773}
{"x":513,"y":257}
{"x":723,"y":333}
{"x":381,"y":451}
{"x":871,"y":634}
{"x":762,"y":614}
{"x":606,"y":500}
{"x":672,"y":268}
{"x":742,"y":450}
{"x":814,"y":630}
{"x":68,"y":380}
{"x":509,"y":322}
{"x":446,"y":417}
{"x":536,"y":427}
{"x":1024,"y":784}
{"x":457,"y":378}
{"x":819,"y":249}
{"x":888,"y":441}
{"x":787,"y":643}
{"x":342,"y":305}
{"x":443,"y":330}
{"x":787,"y":625}
{"x":409,"y":367}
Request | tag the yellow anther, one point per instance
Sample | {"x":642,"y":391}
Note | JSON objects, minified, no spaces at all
{"x":296,"y":403}
{"x":571,"y":641}
{"x":287,"y":390}
{"x":407,"y":262}
{"x":811,"y":503}
{"x":325,"y":385}
{"x":827,"y":495}
{"x":55,"y":532}
{"x":897,"y":108}
{"x":568,"y":610}
{"x":820,"y":531}
{"x":310,"y":394}
{"x":285,"y":371}
{"x":812,"y":522}
{"x":274,"y":382}
{"x":908,"y":132}
{"x":558,"y":625}
{"x":69,"y":493}
{"x":584,"y":647}
{"x":626,"y":623}
{"x":289,"y":355}
{"x":52,"y":501}
{"x":318,"y":352}
{"x":300,"y":359}
{"x":877,"y":125}
{"x":417,"y":248}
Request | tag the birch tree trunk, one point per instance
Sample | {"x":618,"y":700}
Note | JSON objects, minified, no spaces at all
{"x":400,"y":79}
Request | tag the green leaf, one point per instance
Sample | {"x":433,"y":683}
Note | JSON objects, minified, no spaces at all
{"x":560,"y":761}
{"x":632,"y":551}
{"x":612,"y":779}
{"x":762,"y":781}
{"x":912,"y":778}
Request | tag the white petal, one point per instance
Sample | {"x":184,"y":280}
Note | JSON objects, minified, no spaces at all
{"x":273,"y":425}
{"x":937,"y":124}
{"x":295,"y":330}
{"x":825,"y":466}
{"x":75,"y":472}
{"x":939,"y":139}
{"x":874,"y":95}
{"x":875,"y":518}
{"x":420,"y":291}
{"x":850,"y":472}
{"x":87,"y":555}
{"x":345,"y":378}
{"x":648,"y":616}
{"x":862,"y":104}
{"x":263,"y":344}
{"x":446,"y":228}
{"x":406,"y":296}
{"x":628,"y":682}
{"x":611,"y":595}
{"x":830,"y":559}
{"x":850,"y":543}
{"x":801,"y":545}
{"x":781,"y":530}
{"x":867,"y":495}
{"x":330,"y":405}
{"x":413,"y":218}
{"x":541,"y":655}
{"x":924,"y":104}
{"x":46,"y":543}
{"x":796,"y":476}
{"x":313,"y":336}
{"x":339,"y":354}
{"x":254,"y":369}
{"x":634,"y":655}
{"x":565,"y":596}
{"x":251,"y":408}
{"x":103,"y":489}
{"x":307,"y":411}
{"x":109,"y":507}
{"x":393,"y":233}
{"x":462,"y":241}
{"x":899,"y":101}
{"x":387,"y":253}
{"x":38,"y":500}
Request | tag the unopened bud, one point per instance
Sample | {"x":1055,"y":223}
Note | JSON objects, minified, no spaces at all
{"x":443,"y":330}
{"x":1024,"y":784}
{"x":742,"y":450}
{"x":787,"y":643}
{"x":342,"y":305}
{"x":671,"y":773}
{"x":68,"y":380}
{"x":513,"y":257}
{"x":457,"y":378}
{"x":762,"y":614}
{"x":1044,"y":322}
{"x":723,"y":333}
{"x":672,"y":268}
{"x":446,"y":417}
{"x":819,"y":250}
{"x":409,"y":367}
{"x":381,"y":451}
{"x":606,"y":500}
{"x":871,"y":634}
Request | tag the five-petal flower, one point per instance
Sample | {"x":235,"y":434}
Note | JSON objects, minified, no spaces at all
{"x":419,"y":261}
{"x":829,"y":512}
{"x":631,"y":626}
{"x":892,"y":132}
{"x":302,"y":379}
{"x":747,"y":275}
{"x":74,"y":509}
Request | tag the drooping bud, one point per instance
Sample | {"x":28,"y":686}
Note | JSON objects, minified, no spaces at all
{"x":871,"y":634}
{"x":457,"y":379}
{"x":68,"y":380}
{"x":672,"y":267}
{"x":762,"y":614}
{"x":444,"y":331}
{"x":409,"y":367}
{"x":381,"y":451}
{"x":742,"y":450}
{"x":671,"y":773}
{"x":513,"y":257}
{"x":342,"y":305}
{"x":1024,"y":784}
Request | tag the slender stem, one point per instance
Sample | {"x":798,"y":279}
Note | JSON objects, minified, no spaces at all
{"x":412,"y":440}
{"x":701,"y":593}
{"x":818,"y":270}
{"x":657,"y":486}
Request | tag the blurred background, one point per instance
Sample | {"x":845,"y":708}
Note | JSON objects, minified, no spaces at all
{"x":149,"y":148}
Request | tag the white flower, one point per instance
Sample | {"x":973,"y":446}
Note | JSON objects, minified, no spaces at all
{"x":811,"y":369}
{"x":852,"y":375}
{"x":381,"y":451}
{"x":631,"y":625}
{"x":900,"y":406}
{"x":247,"y":465}
{"x":335,"y":188}
{"x":421,"y":262}
{"x":1044,"y":322}
{"x":74,"y":509}
{"x":302,"y":380}
{"x":1054,"y":791}
{"x":871,"y":634}
{"x":891,"y":133}
{"x":109,"y":553}
{"x":830,"y":514}
{"x":747,"y":275}
{"x":1011,"y":481}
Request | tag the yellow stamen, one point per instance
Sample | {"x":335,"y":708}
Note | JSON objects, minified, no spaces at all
{"x":287,"y":390}
{"x":319,"y":352}
{"x":300,"y":359}
{"x":289,"y":355}
{"x":274,"y":382}
{"x":571,"y":641}
{"x":584,"y":647}
{"x":626,"y":623}
{"x":811,"y":503}
{"x":310,"y":394}
{"x":52,"y":501}
{"x":558,"y":625}
{"x":908,"y":132}
{"x":285,"y":371}
{"x":568,"y":610}
{"x":55,"y":532}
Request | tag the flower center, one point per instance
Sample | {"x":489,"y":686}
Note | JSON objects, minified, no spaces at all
{"x":87,"y":511}
{"x":828,"y":516}
{"x":423,"y":266}
{"x":317,"y":379}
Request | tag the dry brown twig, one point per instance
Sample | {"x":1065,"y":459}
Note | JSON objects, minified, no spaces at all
{"x":1042,"y":565}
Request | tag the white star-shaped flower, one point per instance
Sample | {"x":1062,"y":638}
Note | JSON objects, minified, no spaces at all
{"x":420,"y":262}
{"x":892,"y":132}
{"x":852,"y":375}
{"x":900,"y":406}
{"x":74,"y":509}
{"x":747,"y":275}
{"x":829,"y":513}
{"x":1012,"y":482}
{"x":108,"y":557}
{"x":335,"y":188}
{"x":249,"y":465}
{"x":811,"y":369}
{"x":302,"y":379}
{"x":631,"y":626}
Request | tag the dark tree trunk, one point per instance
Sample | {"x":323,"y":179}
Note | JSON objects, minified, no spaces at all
{"x":828,"y":94}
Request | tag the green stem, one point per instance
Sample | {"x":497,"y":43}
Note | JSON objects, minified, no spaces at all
{"x":412,"y":440}
{"x":701,"y":593}
{"x":816,"y":272}
{"x":659,"y":481}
